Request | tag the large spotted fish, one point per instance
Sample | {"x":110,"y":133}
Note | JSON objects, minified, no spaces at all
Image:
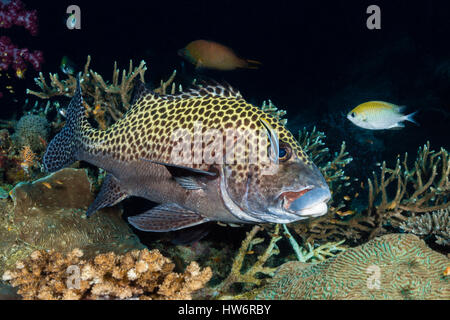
{"x":138,"y":153}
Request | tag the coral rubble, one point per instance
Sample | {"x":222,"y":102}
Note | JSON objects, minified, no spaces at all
{"x":144,"y":274}
{"x":393,"y":266}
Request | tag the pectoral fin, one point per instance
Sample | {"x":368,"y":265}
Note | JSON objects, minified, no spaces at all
{"x":109,"y":195}
{"x":190,"y":183}
{"x":166,"y":217}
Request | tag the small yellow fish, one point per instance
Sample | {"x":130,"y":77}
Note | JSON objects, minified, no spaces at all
{"x":345,"y":213}
{"x":20,"y":73}
{"x":379,"y":115}
{"x":46,"y":184}
{"x":447,"y":271}
{"x":347,"y":198}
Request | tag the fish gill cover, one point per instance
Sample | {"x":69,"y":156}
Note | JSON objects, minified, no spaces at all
{"x":191,"y":171}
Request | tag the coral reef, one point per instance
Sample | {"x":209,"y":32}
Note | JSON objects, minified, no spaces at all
{"x":31,"y":131}
{"x":28,"y":158}
{"x":314,"y":254}
{"x":436,"y":223}
{"x":251,"y":266}
{"x":101,"y":97}
{"x":424,"y":187}
{"x":270,"y":108}
{"x":144,"y":274}
{"x":332,"y":168}
{"x":342,"y":221}
{"x":392,"y":198}
{"x":50,"y":214}
{"x":14,"y":13}
{"x":249,"y":276}
{"x":393,"y":266}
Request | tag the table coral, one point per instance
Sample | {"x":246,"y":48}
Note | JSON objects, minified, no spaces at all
{"x":394,"y":266}
{"x":144,"y":274}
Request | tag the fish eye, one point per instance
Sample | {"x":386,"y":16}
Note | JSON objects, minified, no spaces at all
{"x":284,"y":153}
{"x":352,"y":114}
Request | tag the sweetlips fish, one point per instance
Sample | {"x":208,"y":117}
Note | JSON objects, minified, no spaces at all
{"x":213,"y":55}
{"x":379,"y":115}
{"x":176,"y":150}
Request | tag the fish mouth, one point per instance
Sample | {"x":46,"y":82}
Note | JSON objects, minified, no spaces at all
{"x":308,"y":202}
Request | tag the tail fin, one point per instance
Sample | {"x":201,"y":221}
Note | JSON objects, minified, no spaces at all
{"x":62,"y":150}
{"x":410,"y":118}
{"x":253,"y":64}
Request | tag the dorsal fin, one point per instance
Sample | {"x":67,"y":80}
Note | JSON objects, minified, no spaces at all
{"x":214,"y":88}
{"x":205,"y":88}
{"x":210,"y":88}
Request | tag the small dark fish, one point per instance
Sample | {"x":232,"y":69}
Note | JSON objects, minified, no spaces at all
{"x":67,"y":66}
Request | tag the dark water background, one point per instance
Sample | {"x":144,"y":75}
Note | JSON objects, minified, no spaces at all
{"x":319,"y":59}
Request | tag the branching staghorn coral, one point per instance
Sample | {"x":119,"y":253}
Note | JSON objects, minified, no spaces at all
{"x":222,"y":290}
{"x":113,"y":97}
{"x":254,"y":271}
{"x":392,"y":197}
{"x":328,"y":228}
{"x":270,"y":108}
{"x":424,"y":187}
{"x":144,"y":274}
{"x":336,"y":225}
{"x":312,"y":142}
{"x":435,"y":223}
{"x":314,"y":254}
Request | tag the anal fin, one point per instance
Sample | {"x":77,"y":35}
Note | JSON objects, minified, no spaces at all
{"x":166,"y":217}
{"x":109,"y":195}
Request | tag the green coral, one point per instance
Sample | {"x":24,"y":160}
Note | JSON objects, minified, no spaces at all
{"x":278,"y":114}
{"x":312,"y":253}
{"x":394,"y":266}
